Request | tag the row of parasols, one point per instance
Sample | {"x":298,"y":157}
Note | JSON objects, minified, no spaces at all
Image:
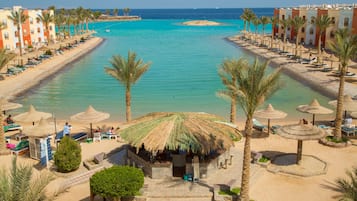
{"x":313,"y":108}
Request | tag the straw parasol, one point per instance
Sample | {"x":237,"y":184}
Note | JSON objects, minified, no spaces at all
{"x":348,"y":104}
{"x":301,"y":132}
{"x":42,"y":129}
{"x":6,"y":105}
{"x":270,"y":113}
{"x":314,"y":108}
{"x":198,"y":132}
{"x":90,"y":116}
{"x":32,"y":116}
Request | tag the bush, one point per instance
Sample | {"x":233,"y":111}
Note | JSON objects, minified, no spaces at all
{"x":335,"y":140}
{"x":117,"y":182}
{"x":233,"y":191}
{"x":68,"y":155}
{"x":48,"y":52}
{"x":264,"y":159}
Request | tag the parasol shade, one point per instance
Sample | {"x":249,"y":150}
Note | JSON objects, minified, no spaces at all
{"x":270,"y":113}
{"x":314,"y":108}
{"x":6,"y":105}
{"x":90,"y":116}
{"x":348,"y":103}
{"x":198,"y":132}
{"x":42,"y":129}
{"x":301,"y":132}
{"x":32,"y":115}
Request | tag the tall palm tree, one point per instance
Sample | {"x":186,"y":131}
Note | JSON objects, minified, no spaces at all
{"x":264,"y":20}
{"x":274,"y":20}
{"x":127,"y":72}
{"x":126,"y":11}
{"x":18,"y":18}
{"x":348,"y":188}
{"x":18,"y":184}
{"x":228,"y":73}
{"x":345,"y":47}
{"x":3,"y":61}
{"x":322,"y":22}
{"x":244,"y":17}
{"x":296,"y":23}
{"x":253,"y":87}
{"x":285,"y":23}
{"x":250,"y":17}
{"x":256,"y":22}
{"x":46,"y":18}
{"x":88,"y":15}
{"x":115,"y":12}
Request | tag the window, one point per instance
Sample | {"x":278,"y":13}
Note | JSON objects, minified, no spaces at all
{"x":50,"y":28}
{"x":4,"y":22}
{"x":312,"y":21}
{"x":39,"y":30}
{"x":38,"y":20}
{"x":16,"y":34}
{"x":6,"y":35}
{"x":39,"y":39}
{"x":346,"y":21}
{"x":310,"y":42}
{"x":31,"y":20}
{"x":303,"y":30}
{"x":283,"y":17}
{"x":32,"y":31}
{"x":332,"y":34}
{"x":333,"y":20}
{"x":311,"y":31}
{"x":7,"y":46}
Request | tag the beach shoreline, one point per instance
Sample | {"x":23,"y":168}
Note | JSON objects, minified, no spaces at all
{"x":315,"y":79}
{"x":17,"y":85}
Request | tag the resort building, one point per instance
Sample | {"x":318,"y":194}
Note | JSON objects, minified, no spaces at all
{"x":342,"y":16}
{"x":32,"y":32}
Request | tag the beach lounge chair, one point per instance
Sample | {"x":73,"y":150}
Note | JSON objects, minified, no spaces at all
{"x":19,"y":149}
{"x":75,"y":136}
{"x":259,"y":126}
{"x":275,"y":128}
{"x":12,"y":127}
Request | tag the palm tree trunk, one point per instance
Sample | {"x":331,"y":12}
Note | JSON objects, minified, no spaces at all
{"x":128,"y":104}
{"x":19,"y":36}
{"x":339,"y":112}
{"x":319,"y":48}
{"x":296,"y":45}
{"x":233,"y":110}
{"x":244,"y":194}
{"x":272,"y":37}
{"x":284,"y":41}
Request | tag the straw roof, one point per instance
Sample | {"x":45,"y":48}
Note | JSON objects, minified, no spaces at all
{"x":301,"y":131}
{"x":314,"y":108}
{"x":270,"y":113}
{"x":90,"y":116}
{"x":42,"y":129}
{"x":6,"y":105}
{"x":348,"y":103}
{"x":200,"y":132}
{"x":32,"y":115}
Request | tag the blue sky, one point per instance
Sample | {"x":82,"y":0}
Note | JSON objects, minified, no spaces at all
{"x":110,"y":4}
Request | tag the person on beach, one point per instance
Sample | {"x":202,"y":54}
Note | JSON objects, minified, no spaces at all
{"x":67,"y":129}
{"x":111,"y":131}
{"x":9,"y":120}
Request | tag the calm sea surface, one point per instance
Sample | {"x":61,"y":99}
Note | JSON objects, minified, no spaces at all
{"x":183,"y":75}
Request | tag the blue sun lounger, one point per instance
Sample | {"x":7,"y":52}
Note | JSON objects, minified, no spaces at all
{"x":75,"y":136}
{"x":259,"y":126}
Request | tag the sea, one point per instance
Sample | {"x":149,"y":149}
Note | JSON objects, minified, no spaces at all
{"x":183,"y":73}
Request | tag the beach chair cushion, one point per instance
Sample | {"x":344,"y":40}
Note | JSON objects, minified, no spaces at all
{"x":258,"y":126}
{"x":11,"y":127}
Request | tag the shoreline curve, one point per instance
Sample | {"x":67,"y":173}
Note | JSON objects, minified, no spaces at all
{"x":17,"y":85}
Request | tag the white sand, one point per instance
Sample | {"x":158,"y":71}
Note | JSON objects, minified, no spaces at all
{"x":201,"y":23}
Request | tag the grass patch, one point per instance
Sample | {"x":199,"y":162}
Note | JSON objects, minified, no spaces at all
{"x":235,"y":138}
{"x":263,"y":159}
{"x":333,"y":139}
{"x":233,"y":191}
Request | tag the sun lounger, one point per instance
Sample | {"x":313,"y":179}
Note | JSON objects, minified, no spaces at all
{"x":275,"y":128}
{"x":12,"y":127}
{"x":259,"y":126}
{"x":75,"y":136}
{"x":21,"y":148}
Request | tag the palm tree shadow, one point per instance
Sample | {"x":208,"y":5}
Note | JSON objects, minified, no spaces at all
{"x":331,"y":186}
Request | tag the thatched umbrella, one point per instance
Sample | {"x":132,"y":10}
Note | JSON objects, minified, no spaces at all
{"x":314,"y":108}
{"x":42,"y":129}
{"x":32,"y":116}
{"x":198,"y":132}
{"x":348,"y":104}
{"x":6,"y":105}
{"x":90,"y":116}
{"x":301,"y":132}
{"x":270,"y":113}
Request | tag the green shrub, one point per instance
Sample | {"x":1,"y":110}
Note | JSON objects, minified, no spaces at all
{"x":264,"y":159}
{"x":333,"y":139}
{"x":117,"y":182}
{"x":233,"y":191}
{"x":68,"y":155}
{"x":48,"y":52}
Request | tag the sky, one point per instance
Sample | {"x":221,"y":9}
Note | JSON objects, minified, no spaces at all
{"x":111,"y":4}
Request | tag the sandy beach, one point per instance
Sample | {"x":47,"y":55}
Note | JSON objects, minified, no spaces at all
{"x":323,"y":82}
{"x":17,"y":84}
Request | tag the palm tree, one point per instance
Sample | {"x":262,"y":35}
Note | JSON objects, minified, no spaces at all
{"x":244,"y":17}
{"x":126,"y":11}
{"x":274,"y":20}
{"x":322,"y":23}
{"x":228,"y":71}
{"x":250,"y":17}
{"x":18,"y":184}
{"x":46,"y":18}
{"x":18,"y":18}
{"x":256,"y":22}
{"x":345,"y":47}
{"x":107,"y":12}
{"x":296,"y":23}
{"x":3,"y":61}
{"x":253,"y":87}
{"x":115,"y":12}
{"x":285,"y":23}
{"x":264,"y":20}
{"x":348,"y":188}
{"x":127,"y":72}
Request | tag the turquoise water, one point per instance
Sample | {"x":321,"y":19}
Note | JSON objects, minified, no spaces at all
{"x":183,"y":75}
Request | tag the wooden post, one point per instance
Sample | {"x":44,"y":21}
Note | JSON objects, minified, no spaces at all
{"x":299,"y":152}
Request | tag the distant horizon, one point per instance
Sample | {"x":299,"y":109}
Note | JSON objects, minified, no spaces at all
{"x":164,"y":4}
